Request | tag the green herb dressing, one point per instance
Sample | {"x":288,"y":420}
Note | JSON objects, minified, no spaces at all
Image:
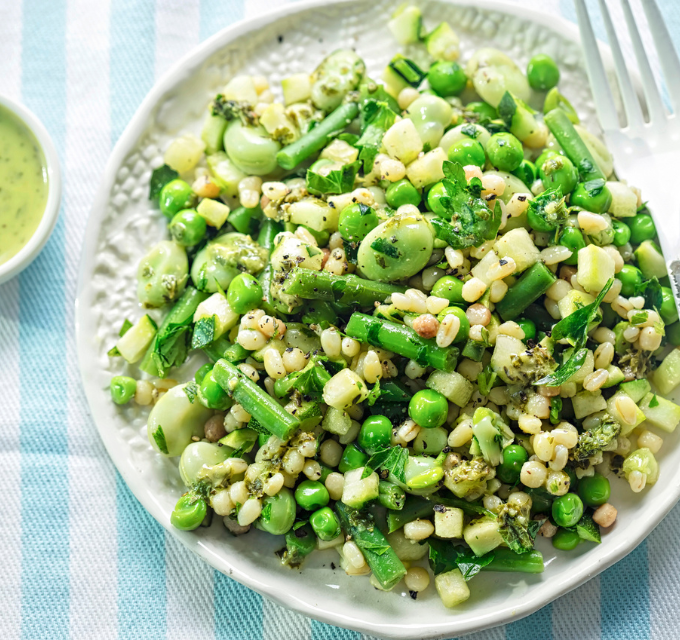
{"x":23,"y":184}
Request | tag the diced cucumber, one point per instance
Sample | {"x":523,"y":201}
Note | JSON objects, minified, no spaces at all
{"x":443,"y":43}
{"x":452,"y":588}
{"x":427,"y":169}
{"x":307,"y":412}
{"x":214,"y":212}
{"x":595,"y":268}
{"x":660,"y":412}
{"x":651,"y":260}
{"x":624,"y":200}
{"x":615,"y":376}
{"x":296,"y":88}
{"x":224,"y":172}
{"x":502,"y":359}
{"x":358,"y":491}
{"x":574,"y":300}
{"x":243,"y":439}
{"x":217,"y":305}
{"x":636,"y":389}
{"x":448,"y":522}
{"x":614,"y":413}
{"x":667,"y":376}
{"x":336,"y":421}
{"x":481,"y":269}
{"x":406,"y":24}
{"x":213,"y":133}
{"x":452,"y":385}
{"x":587,"y":368}
{"x":587,"y":402}
{"x":518,"y":245}
{"x":132,"y":345}
{"x":482,"y":535}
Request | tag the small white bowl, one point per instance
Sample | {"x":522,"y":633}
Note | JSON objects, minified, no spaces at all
{"x":32,"y":248}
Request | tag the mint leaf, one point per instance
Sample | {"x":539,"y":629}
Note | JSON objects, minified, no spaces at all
{"x":335,"y":181}
{"x":651,"y":291}
{"x":654,"y":402}
{"x":374,"y":394}
{"x":380,"y":245}
{"x":485,"y":380}
{"x":393,"y":460}
{"x":159,"y":439}
{"x":204,"y":332}
{"x":159,"y":178}
{"x":191,"y":391}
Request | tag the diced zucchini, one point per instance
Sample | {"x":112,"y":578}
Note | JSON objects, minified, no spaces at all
{"x":132,"y":345}
{"x":452,"y":588}
{"x":340,"y":151}
{"x":482,"y":535}
{"x":394,"y":83}
{"x":595,"y":268}
{"x":443,"y":43}
{"x":587,"y":402}
{"x":315,"y":214}
{"x":214,"y":212}
{"x":587,"y":368}
{"x":636,"y":389}
{"x":401,"y":141}
{"x":660,"y":412}
{"x":213,"y":133}
{"x":624,"y":200}
{"x":615,"y":376}
{"x":279,"y":345}
{"x":336,"y":421}
{"x":481,"y":269}
{"x":307,"y":412}
{"x":406,"y":24}
{"x":651,"y":260}
{"x":503,"y":356}
{"x":518,"y":245}
{"x":448,"y":522}
{"x":427,"y":169}
{"x":452,"y":385}
{"x":614,"y":413}
{"x":225,"y":173}
{"x":296,"y":88}
{"x":184,"y":153}
{"x":575,"y":299}
{"x":358,"y":491}
{"x":241,"y":89}
{"x":244,"y":439}
{"x":217,"y":305}
{"x":667,"y":376}
{"x":278,"y":125}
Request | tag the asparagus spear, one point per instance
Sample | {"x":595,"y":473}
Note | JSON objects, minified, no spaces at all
{"x":534,"y":282}
{"x":381,"y":558}
{"x":561,"y":127}
{"x":316,"y":139}
{"x":350,"y":290}
{"x":259,"y":404}
{"x":402,"y":340}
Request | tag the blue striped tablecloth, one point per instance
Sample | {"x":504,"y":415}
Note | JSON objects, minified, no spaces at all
{"x":79,"y":557}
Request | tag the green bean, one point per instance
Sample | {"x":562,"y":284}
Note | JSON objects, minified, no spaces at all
{"x":402,"y":340}
{"x":222,"y":348}
{"x":391,"y":496}
{"x":505,"y":560}
{"x":414,"y":508}
{"x":533,"y":283}
{"x":123,"y":389}
{"x":268,"y":231}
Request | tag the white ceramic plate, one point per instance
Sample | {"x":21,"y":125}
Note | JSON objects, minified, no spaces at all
{"x":123,"y":226}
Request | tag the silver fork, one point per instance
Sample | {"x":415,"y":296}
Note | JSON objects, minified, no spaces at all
{"x":646,"y":153}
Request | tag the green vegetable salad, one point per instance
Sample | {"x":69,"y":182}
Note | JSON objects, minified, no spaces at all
{"x":427,"y":321}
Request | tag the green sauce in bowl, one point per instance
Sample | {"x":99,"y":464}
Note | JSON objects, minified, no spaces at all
{"x":23,"y":184}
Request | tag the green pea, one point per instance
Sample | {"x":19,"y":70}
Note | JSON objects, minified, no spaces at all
{"x":434,"y":196}
{"x":375,"y":433}
{"x":402,"y":192}
{"x":483,"y":109}
{"x":567,"y":510}
{"x":175,"y":196}
{"x":123,"y":389}
{"x":446,"y":78}
{"x":357,"y":221}
{"x":212,"y":395}
{"x":630,"y":277}
{"x":464,"y":329}
{"x":641,"y":228}
{"x":428,"y":408}
{"x":542,"y":72}
{"x":467,"y":151}
{"x":449,"y":287}
{"x":566,"y":540}
{"x":187,"y":227}
{"x":514,"y":456}
{"x":311,"y":495}
{"x":244,"y":293}
{"x":526,"y":172}
{"x":189,"y":512}
{"x":596,"y":202}
{"x":203,"y":372}
{"x":621,"y":233}
{"x":669,"y":312}
{"x":573,"y":239}
{"x":673,"y":334}
{"x":528,"y":326}
{"x":558,"y":171}
{"x":352,"y":458}
{"x":594,"y":490}
{"x":504,"y":151}
{"x":325,"y":524}
{"x":278,"y":513}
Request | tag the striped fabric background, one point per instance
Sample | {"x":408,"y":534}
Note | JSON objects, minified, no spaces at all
{"x":79,"y":557}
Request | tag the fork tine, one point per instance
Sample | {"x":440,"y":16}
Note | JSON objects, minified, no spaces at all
{"x":602,"y":95}
{"x":654,"y":104}
{"x":631,"y":102}
{"x":667,"y":54}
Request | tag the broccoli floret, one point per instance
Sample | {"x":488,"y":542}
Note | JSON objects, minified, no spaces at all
{"x":231,"y":110}
{"x":636,"y":363}
{"x":597,"y":439}
{"x":468,"y":477}
{"x":516,"y":527}
{"x":490,"y":435}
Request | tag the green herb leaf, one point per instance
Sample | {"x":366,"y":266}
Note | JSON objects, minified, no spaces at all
{"x":380,"y":245}
{"x":159,"y":439}
{"x":204,"y":332}
{"x":507,"y":108}
{"x":191,"y":391}
{"x":594,"y":187}
{"x":651,"y":291}
{"x":335,"y":181}
{"x":377,"y":118}
{"x":159,"y":178}
{"x":445,"y":556}
{"x":486,"y":379}
{"x":470,"y":131}
{"x":125,"y":327}
{"x":654,"y":402}
{"x":555,"y":409}
{"x":393,"y":460}
{"x":374,"y":394}
{"x":549,"y":206}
